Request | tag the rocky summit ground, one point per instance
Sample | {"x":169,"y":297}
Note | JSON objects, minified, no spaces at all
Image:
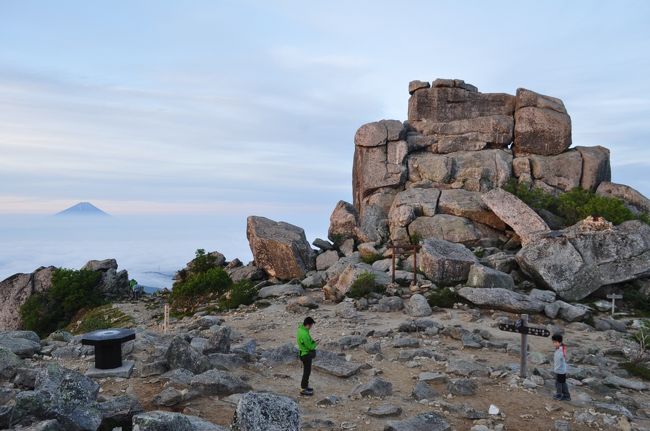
{"x":389,"y":367}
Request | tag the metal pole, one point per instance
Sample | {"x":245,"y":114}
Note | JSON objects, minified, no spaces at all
{"x":523,"y":367}
{"x":415,"y":265}
{"x":393,"y":264}
{"x":613,"y":304}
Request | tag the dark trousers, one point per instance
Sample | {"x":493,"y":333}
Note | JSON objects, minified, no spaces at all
{"x":561,"y":387}
{"x":306,"y":369}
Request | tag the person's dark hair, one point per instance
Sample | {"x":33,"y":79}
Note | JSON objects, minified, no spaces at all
{"x":557,"y":337}
{"x":308,"y":321}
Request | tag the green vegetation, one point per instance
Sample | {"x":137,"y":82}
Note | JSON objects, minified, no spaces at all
{"x":574,"y":205}
{"x":443,"y":298}
{"x":636,"y":301}
{"x":415,"y":238}
{"x":71,"y":291}
{"x":103,"y":317}
{"x":241,"y":293}
{"x":372,"y":258}
{"x":637,"y":369}
{"x":204,"y":281}
{"x":364,"y":285}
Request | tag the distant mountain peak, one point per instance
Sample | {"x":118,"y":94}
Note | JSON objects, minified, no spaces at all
{"x":83,"y":209}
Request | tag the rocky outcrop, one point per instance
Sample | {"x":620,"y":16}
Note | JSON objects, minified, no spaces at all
{"x":424,"y":178}
{"x":280,"y":248}
{"x":516,"y":214}
{"x":15,"y":290}
{"x":579,"y":260}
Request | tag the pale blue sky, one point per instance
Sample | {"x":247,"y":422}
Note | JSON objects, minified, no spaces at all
{"x":249,"y":107}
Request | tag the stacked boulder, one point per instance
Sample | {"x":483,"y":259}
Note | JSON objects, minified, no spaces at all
{"x":425,"y":177}
{"x":438,"y":179}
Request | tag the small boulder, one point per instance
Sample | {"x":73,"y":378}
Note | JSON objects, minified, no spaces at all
{"x":265,"y":411}
{"x":417,"y":306}
{"x":422,"y":422}
{"x":482,"y":276}
{"x":462,"y":387}
{"x":221,"y":383}
{"x":181,"y":355}
{"x":375,"y":388}
{"x":422,"y":391}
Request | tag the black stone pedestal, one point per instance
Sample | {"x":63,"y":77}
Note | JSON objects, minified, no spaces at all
{"x":108,"y":346}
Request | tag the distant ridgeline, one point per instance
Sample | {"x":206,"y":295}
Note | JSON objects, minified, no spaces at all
{"x":83,"y":209}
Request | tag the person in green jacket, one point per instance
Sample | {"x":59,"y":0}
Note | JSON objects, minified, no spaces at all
{"x":307,"y":352}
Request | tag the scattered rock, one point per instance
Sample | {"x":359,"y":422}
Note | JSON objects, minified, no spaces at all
{"x":421,"y":422}
{"x":384,"y":410}
{"x":422,"y":391}
{"x":181,"y":355}
{"x":417,"y":306}
{"x":463,"y":387}
{"x":221,"y":383}
{"x":375,"y":388}
{"x":264,"y":411}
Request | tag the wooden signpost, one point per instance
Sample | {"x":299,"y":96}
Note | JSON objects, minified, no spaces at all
{"x":614,"y":297}
{"x":401,"y":250}
{"x":521,"y":326}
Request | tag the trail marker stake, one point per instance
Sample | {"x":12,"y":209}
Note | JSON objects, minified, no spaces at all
{"x":521,"y":326}
{"x":614,"y":297}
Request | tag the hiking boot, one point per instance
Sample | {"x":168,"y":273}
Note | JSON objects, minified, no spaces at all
{"x":557,"y":397}
{"x":306,"y":392}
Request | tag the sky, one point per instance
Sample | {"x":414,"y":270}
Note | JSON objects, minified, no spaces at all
{"x":231,"y":108}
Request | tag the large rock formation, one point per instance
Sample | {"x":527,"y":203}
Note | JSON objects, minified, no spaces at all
{"x":439,"y":176}
{"x":281,"y":249}
{"x":418,"y":178}
{"x":581,"y":259}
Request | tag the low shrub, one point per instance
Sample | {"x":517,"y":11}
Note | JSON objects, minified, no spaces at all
{"x":241,"y":293}
{"x":637,"y":369}
{"x":103,"y":317}
{"x":364,"y":285}
{"x":574,"y":205}
{"x":443,"y":298}
{"x":372,"y":258}
{"x":71,"y":291}
{"x":415,"y":238}
{"x":198,"y":286}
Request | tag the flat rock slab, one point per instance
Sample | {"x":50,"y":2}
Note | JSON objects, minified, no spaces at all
{"x":516,"y":214}
{"x":335,"y":365}
{"x":122,"y":372}
{"x":385,"y":410}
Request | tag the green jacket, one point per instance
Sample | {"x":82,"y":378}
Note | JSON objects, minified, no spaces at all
{"x":305,"y":343}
